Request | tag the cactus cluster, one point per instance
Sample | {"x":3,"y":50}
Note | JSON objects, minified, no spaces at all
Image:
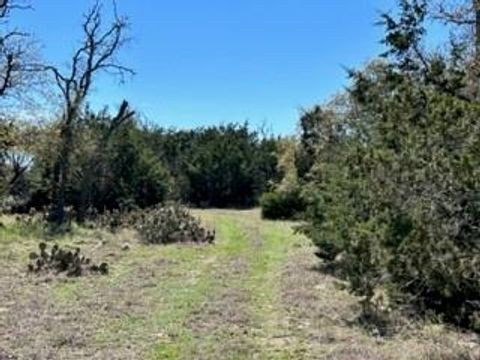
{"x":111,"y":220}
{"x":171,"y":224}
{"x":58,"y":260}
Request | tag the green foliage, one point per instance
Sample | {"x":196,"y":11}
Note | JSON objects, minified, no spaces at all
{"x":224,"y":166}
{"x":15,"y":138}
{"x":111,"y":168}
{"x":307,"y":148}
{"x":138,"y":178}
{"x":171,"y":224}
{"x":58,"y":260}
{"x":125,"y":166}
{"x":285,"y":200}
{"x":280,"y":205}
{"x":32,"y":224}
{"x":397,"y":195}
{"x":393,"y":189}
{"x":110,"y":220}
{"x":404,"y":35}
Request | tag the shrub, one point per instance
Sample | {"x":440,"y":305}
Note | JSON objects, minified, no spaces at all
{"x":439,"y":265}
{"x":110,"y":220}
{"x":58,"y":260}
{"x":282,"y":205}
{"x":397,"y":196}
{"x":284,"y":201}
{"x":171,"y":224}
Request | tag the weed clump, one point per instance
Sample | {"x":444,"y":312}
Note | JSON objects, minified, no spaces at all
{"x":62,"y":261}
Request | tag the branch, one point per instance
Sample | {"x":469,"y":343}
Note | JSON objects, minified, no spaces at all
{"x":7,"y":76}
{"x":8,"y":5}
{"x":62,"y":81}
{"x":13,"y":51}
{"x":456,"y":15}
{"x":96,"y":53}
{"x":124,"y":113}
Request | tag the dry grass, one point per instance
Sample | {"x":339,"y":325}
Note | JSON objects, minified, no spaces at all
{"x":323,"y":313}
{"x":255,"y":294}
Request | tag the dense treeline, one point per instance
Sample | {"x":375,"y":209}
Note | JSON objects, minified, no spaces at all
{"x":127,"y":165}
{"x":221,"y":166}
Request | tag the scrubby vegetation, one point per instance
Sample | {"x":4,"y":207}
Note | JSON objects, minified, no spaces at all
{"x":129,"y":166}
{"x":284,"y":199}
{"x":393,"y":187}
{"x":283,"y":205}
{"x":171,"y":224}
{"x":227,"y":166}
{"x":58,"y":260}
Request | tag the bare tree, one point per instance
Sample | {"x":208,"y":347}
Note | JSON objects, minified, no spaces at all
{"x":16,"y":51}
{"x":97,"y":54}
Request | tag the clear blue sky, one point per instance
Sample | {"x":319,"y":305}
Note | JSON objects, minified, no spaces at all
{"x":211,"y":61}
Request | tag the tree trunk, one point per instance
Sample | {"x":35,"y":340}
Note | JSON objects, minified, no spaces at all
{"x":62,"y":167}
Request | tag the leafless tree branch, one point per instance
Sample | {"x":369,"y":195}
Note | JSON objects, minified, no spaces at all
{"x":96,"y":54}
{"x":14,"y":49}
{"x":6,"y":6}
{"x":456,"y":14}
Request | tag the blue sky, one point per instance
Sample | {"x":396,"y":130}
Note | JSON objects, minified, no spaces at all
{"x":212,"y":61}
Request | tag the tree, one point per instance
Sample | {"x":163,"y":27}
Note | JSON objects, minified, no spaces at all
{"x":97,"y":54}
{"x":95,"y":162}
{"x":393,"y":196}
{"x":6,"y":142}
{"x":220,"y":166}
{"x":284,"y":200}
{"x":229,"y":166}
{"x":17,"y":74}
{"x":16,"y":55}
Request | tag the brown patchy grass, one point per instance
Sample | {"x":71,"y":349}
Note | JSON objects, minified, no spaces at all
{"x":255,"y":294}
{"x":323,"y":315}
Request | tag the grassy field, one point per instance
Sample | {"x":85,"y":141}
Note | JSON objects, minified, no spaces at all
{"x":254,"y":294}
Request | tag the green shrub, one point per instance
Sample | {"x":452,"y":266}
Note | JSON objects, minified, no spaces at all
{"x":58,"y":260}
{"x":171,"y":224}
{"x":397,"y":196}
{"x":438,"y":266}
{"x":282,"y":205}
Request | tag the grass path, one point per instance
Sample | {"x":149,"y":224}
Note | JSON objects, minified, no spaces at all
{"x":254,"y":294}
{"x":237,"y":316}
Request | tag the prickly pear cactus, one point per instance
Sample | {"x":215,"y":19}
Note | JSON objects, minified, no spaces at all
{"x":61,"y":261}
{"x":171,"y":224}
